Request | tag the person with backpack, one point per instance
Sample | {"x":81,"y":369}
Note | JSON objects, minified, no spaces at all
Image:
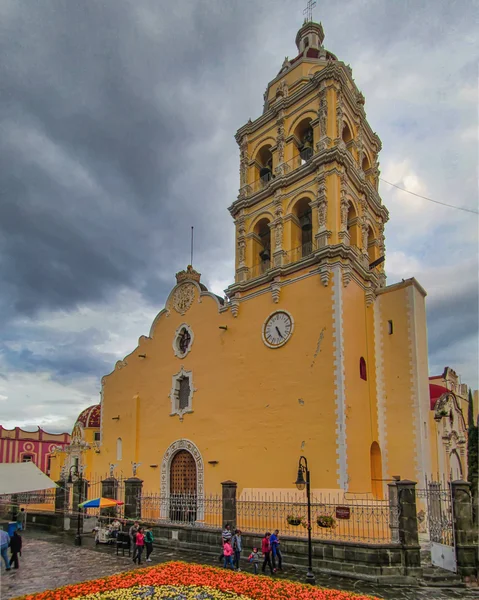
{"x":237,"y":548}
{"x":148,"y":543}
{"x":266,"y":550}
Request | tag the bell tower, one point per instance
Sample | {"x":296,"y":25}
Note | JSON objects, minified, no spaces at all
{"x":309,"y":172}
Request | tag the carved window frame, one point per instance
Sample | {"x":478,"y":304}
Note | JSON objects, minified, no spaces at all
{"x":175,"y":394}
{"x":176,"y":340}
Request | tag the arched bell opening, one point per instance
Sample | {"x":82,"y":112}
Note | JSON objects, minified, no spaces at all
{"x":264,"y":160}
{"x":262,"y":246}
{"x":353,"y":225}
{"x":372,"y":247}
{"x":302,"y":230}
{"x":347,"y":135}
{"x":376,"y":471}
{"x":304,"y":139}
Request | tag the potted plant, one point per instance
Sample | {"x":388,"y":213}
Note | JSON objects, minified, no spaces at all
{"x":326,"y":521}
{"x":294,"y":520}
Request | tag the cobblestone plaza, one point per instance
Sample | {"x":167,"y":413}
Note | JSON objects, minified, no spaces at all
{"x":49,"y":561}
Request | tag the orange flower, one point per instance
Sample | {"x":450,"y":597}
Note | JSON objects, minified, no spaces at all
{"x":185,"y":574}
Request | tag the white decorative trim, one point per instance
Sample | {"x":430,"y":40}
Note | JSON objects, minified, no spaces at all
{"x":168,"y":456}
{"x":339,"y":380}
{"x":263,"y":329}
{"x":418,"y":418}
{"x":173,"y":395}
{"x":276,"y":290}
{"x":381,"y":392}
{"x":176,"y":340}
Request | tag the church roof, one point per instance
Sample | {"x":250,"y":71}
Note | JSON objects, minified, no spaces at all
{"x":435,"y":392}
{"x":90,"y":417}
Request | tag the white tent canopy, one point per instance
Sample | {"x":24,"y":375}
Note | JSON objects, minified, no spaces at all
{"x":16,"y":478}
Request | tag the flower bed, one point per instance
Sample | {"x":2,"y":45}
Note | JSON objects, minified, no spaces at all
{"x":177,"y":580}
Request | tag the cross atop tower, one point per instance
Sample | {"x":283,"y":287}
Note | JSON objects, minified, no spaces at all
{"x":308,"y":11}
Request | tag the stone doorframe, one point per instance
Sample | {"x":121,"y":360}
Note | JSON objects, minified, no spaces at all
{"x":168,"y":456}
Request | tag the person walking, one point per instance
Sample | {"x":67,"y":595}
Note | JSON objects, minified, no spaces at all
{"x":275,"y":550}
{"x":140,"y":545}
{"x":228,"y":554}
{"x":132,"y":533}
{"x":4,"y":544}
{"x":16,"y":548}
{"x":148,"y":543}
{"x":266,"y":550}
{"x":237,"y":548}
{"x":253,"y":558}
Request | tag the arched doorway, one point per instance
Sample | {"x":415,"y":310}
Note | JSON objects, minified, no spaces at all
{"x":455,"y":466}
{"x":183,"y":488}
{"x":376,"y":471}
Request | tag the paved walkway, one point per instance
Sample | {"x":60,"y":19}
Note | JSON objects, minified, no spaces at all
{"x":49,"y":562}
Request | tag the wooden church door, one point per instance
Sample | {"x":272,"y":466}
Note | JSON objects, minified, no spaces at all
{"x":183,"y":487}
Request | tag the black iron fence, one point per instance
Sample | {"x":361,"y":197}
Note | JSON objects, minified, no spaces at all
{"x":349,"y":519}
{"x":181,"y":509}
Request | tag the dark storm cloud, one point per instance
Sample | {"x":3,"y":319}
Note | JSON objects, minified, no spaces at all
{"x":453,"y":318}
{"x":102,"y":111}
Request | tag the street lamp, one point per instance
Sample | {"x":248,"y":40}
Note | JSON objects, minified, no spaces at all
{"x":79,"y":479}
{"x":301,"y":483}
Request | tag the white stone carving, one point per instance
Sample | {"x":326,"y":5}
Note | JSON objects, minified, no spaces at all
{"x":176,"y":340}
{"x":275,"y":290}
{"x":175,"y":393}
{"x":183,"y":297}
{"x":324,"y":272}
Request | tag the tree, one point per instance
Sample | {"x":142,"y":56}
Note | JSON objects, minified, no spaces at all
{"x":472,"y":454}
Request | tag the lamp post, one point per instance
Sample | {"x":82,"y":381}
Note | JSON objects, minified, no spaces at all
{"x":79,"y":479}
{"x":301,"y":483}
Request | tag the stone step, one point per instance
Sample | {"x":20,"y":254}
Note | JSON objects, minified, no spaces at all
{"x":437,"y":577}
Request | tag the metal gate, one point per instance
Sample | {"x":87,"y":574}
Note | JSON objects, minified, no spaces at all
{"x":183,"y":502}
{"x":440,"y":524}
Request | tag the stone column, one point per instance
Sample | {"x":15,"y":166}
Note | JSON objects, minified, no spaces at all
{"x":61,"y":494}
{"x":133,"y":488}
{"x":229,"y":503}
{"x":393,"y":511}
{"x":465,"y":531}
{"x":407,"y":524}
{"x":109,"y":488}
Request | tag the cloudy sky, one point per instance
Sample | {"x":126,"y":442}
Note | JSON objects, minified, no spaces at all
{"x":116,"y":135}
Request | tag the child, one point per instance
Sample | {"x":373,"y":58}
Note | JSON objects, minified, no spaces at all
{"x":254,"y":558}
{"x":139,"y":545}
{"x":148,"y":543}
{"x":228,"y":554}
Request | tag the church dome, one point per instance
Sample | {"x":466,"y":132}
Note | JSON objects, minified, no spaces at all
{"x":90,"y":417}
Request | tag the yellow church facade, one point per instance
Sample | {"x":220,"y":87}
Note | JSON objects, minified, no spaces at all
{"x":310,"y":352}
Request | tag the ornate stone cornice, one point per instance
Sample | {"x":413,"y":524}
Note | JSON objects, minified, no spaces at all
{"x":323,"y":256}
{"x":336,"y":70}
{"x":320,"y":159}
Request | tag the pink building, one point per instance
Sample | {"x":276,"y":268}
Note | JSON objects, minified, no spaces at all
{"x":17,"y":445}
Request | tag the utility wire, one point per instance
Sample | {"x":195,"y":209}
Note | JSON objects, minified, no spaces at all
{"x":470,"y":210}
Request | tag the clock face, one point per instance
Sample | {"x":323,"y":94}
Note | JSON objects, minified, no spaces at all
{"x":277,"y":329}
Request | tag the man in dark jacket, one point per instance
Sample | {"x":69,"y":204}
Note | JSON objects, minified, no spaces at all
{"x":16,"y":548}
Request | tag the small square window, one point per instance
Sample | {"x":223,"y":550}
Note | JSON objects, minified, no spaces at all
{"x":96,"y":436}
{"x":390,"y":327}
